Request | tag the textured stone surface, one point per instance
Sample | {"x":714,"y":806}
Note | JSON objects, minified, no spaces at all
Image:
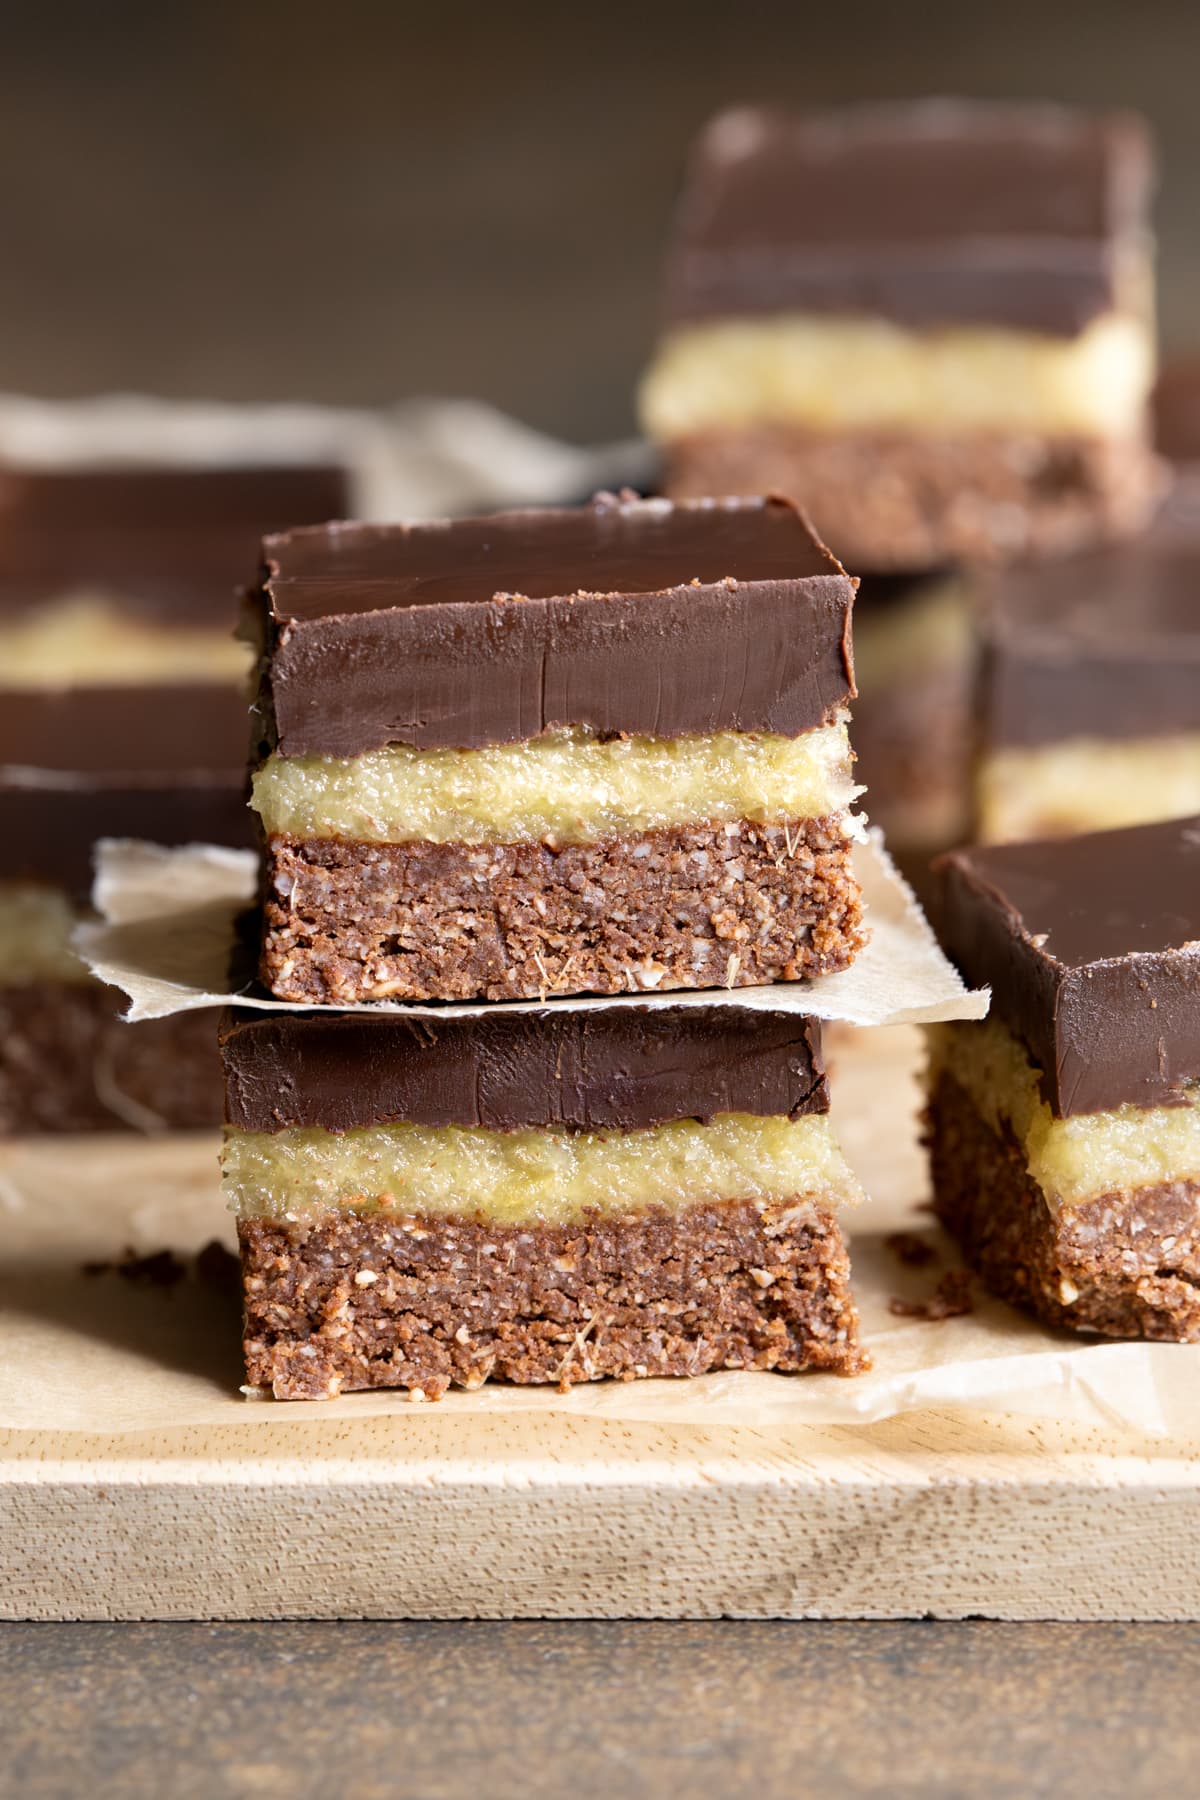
{"x":448,"y":1711}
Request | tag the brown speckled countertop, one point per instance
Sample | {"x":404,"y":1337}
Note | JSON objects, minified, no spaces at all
{"x":360,"y":1711}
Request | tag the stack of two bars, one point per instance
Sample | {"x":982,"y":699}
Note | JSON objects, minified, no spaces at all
{"x":931,"y":323}
{"x":601,"y":752}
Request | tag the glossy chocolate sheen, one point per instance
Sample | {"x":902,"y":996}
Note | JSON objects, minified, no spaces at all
{"x":163,"y":542}
{"x":1105,"y":644}
{"x":1091,"y":946}
{"x":144,"y":734}
{"x":927,"y":213}
{"x":618,"y":1068}
{"x":623,"y":616}
{"x":47,"y":832}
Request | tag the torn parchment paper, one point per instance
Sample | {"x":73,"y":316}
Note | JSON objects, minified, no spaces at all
{"x":167,"y":938}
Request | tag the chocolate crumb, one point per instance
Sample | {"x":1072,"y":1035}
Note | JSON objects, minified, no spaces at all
{"x":912,"y":1250}
{"x":950,"y":1300}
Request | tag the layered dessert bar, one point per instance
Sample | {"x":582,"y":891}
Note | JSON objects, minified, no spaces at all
{"x":914,"y":662}
{"x":1090,"y":685}
{"x":931,"y":322}
{"x":1064,"y":1130}
{"x":540,"y":1197}
{"x":164,"y":764}
{"x":599,"y":749}
{"x":114,"y":575}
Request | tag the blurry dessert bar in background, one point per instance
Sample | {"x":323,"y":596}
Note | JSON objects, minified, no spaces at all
{"x":129,"y":574}
{"x":165,"y":763}
{"x":914,"y":662}
{"x":1064,"y":1130}
{"x":1089,"y":700}
{"x":595,"y":750}
{"x":545,"y":1197}
{"x":931,"y":323}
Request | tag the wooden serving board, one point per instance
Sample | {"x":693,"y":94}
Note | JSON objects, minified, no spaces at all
{"x":108,"y":1509}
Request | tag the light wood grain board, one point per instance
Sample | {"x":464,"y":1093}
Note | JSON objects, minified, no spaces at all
{"x":432,"y":1511}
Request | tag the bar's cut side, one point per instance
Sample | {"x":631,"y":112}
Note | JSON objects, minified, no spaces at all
{"x":606,"y":1240}
{"x":931,"y":322}
{"x":595,"y":751}
{"x":1091,"y":1222}
{"x":1090,"y":702}
{"x":1064,"y":1131}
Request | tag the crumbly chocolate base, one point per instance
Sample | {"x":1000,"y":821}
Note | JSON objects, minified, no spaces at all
{"x":891,"y":500}
{"x":368,"y":1301}
{"x":701,"y":906}
{"x":1123,"y":1264}
{"x":68,"y":1062}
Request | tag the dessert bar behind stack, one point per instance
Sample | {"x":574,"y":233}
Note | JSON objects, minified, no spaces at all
{"x":545,"y":1197}
{"x":930,"y":322}
{"x":1089,"y":708}
{"x":164,"y":763}
{"x":591,"y":750}
{"x":121,"y":574}
{"x":1064,"y":1130}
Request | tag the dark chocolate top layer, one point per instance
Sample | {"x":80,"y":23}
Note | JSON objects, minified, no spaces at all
{"x":47,"y":833}
{"x":1104,"y":644}
{"x":626,"y":615}
{"x":1091,"y":946}
{"x":1176,"y":410}
{"x":143,"y":735}
{"x":928,"y":213}
{"x":164,"y":542}
{"x":620,"y":1068}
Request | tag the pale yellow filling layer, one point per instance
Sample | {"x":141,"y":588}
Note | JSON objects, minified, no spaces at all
{"x":1086,"y":784}
{"x":35,"y":936}
{"x":534,"y":1177}
{"x":88,"y":639}
{"x":1073,"y":1159}
{"x":839,"y":374}
{"x":908,"y":640}
{"x":563,"y":787}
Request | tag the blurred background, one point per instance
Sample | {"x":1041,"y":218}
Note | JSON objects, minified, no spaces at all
{"x":246,"y":199}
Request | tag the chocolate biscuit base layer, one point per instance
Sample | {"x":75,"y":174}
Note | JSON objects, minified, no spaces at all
{"x":363,"y":1301}
{"x":903,"y":500}
{"x":1122,"y":1265}
{"x":731,"y":905}
{"x":69,"y":1062}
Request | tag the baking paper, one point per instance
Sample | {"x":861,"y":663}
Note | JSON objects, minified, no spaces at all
{"x":91,"y":1353}
{"x":167,"y":936}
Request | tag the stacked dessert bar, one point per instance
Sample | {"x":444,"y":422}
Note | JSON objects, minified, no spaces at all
{"x":1064,"y":1130}
{"x":122,"y":713}
{"x":594,"y":751}
{"x":932,"y":324}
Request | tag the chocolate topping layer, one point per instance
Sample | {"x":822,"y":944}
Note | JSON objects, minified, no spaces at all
{"x":1091,"y":946}
{"x":1103,"y":644}
{"x":149,"y":735}
{"x":623,"y":616}
{"x":168,"y":542}
{"x":622,"y":1068}
{"x":929,"y":213}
